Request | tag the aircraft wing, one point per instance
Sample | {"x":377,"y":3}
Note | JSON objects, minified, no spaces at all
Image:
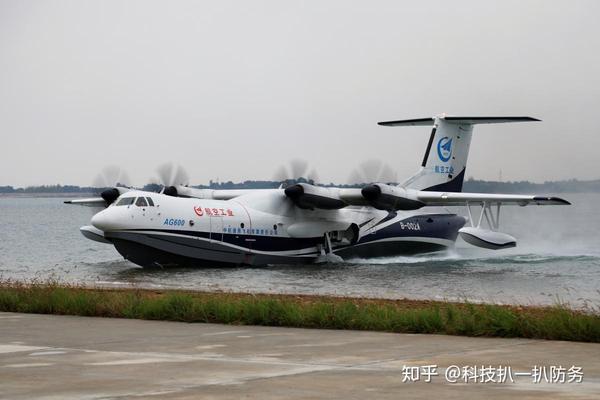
{"x":354,"y":196}
{"x":461,"y":198}
{"x":90,"y":202}
{"x":215,"y":194}
{"x":228,"y":194}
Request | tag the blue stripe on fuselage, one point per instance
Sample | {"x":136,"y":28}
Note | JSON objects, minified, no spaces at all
{"x":254,"y":242}
{"x":442,"y":226}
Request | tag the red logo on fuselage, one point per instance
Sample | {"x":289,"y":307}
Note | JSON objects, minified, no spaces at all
{"x":198,"y":210}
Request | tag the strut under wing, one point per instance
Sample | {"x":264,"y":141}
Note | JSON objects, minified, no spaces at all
{"x":460,"y":199}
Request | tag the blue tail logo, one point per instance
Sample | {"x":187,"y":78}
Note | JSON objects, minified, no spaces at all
{"x":444,"y":148}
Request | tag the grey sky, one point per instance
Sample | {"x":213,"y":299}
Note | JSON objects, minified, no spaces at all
{"x":233,"y":89}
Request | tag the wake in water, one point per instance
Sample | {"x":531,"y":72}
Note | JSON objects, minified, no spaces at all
{"x":444,"y":257}
{"x":450,"y":254}
{"x":528,"y":254}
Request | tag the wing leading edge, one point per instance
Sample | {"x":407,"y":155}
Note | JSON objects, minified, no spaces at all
{"x":459,"y":199}
{"x":90,"y":202}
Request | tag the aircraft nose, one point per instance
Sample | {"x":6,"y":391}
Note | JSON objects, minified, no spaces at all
{"x":101,"y":220}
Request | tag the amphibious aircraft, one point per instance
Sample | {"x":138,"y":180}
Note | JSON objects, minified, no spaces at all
{"x":307,"y":223}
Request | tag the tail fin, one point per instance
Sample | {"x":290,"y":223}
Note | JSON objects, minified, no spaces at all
{"x":445,"y":161}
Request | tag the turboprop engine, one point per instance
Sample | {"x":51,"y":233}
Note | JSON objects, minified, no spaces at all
{"x":309,"y":197}
{"x":185,"y":191}
{"x":111,"y":194}
{"x":391,"y":198}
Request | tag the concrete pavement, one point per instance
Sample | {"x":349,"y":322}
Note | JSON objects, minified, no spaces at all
{"x":63,"y":357}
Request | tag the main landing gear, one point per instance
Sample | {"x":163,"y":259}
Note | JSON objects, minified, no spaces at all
{"x":326,"y":253}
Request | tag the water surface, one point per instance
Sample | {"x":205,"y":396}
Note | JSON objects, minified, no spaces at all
{"x":557,"y":259}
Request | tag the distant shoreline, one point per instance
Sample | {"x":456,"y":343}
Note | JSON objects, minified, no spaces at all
{"x":45,"y":195}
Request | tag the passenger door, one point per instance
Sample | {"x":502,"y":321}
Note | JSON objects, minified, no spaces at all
{"x":216,"y":228}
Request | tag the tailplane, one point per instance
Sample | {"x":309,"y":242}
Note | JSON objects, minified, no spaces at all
{"x":445,"y":161}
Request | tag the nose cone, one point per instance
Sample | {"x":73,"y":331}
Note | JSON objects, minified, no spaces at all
{"x":102,"y":220}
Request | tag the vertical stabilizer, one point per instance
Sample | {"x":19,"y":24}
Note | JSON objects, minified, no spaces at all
{"x":445,"y":160}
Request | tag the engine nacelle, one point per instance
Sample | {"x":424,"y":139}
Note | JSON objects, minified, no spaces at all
{"x":310,"y":197}
{"x":110,"y":195}
{"x":390,"y":198}
{"x":185,"y":191}
{"x":170,"y":191}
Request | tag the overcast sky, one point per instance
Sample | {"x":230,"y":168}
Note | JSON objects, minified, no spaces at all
{"x":234,"y":89}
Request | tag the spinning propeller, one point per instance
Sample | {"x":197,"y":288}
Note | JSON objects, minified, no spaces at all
{"x":297,"y":171}
{"x":379,"y":187}
{"x":113,"y":181}
{"x":108,"y":181}
{"x":372,"y":171}
{"x":289,"y":177}
{"x":170,"y":176}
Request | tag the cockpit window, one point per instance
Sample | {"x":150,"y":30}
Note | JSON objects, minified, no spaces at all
{"x":126,"y":201}
{"x":150,"y":202}
{"x":141,"y":202}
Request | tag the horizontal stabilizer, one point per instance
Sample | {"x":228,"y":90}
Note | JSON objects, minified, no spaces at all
{"x":409,"y":122}
{"x":445,"y":160}
{"x":488,"y":120}
{"x":457,"y":120}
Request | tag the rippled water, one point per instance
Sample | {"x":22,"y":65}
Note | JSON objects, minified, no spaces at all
{"x":557,"y":259}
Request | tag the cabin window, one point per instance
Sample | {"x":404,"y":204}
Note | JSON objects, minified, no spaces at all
{"x":126,"y":201}
{"x":150,"y":201}
{"x":141,"y":202}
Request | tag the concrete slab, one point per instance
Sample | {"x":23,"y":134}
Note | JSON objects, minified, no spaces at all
{"x":63,"y":357}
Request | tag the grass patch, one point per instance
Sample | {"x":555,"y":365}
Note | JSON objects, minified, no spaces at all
{"x":409,"y":316}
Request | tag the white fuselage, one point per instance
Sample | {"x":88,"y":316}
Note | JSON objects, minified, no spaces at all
{"x":258,"y":228}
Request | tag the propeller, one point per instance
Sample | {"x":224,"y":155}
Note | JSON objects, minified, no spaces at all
{"x":373,"y":171}
{"x":297,"y":171}
{"x":106,"y":182}
{"x":171,"y":175}
{"x":111,"y":176}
